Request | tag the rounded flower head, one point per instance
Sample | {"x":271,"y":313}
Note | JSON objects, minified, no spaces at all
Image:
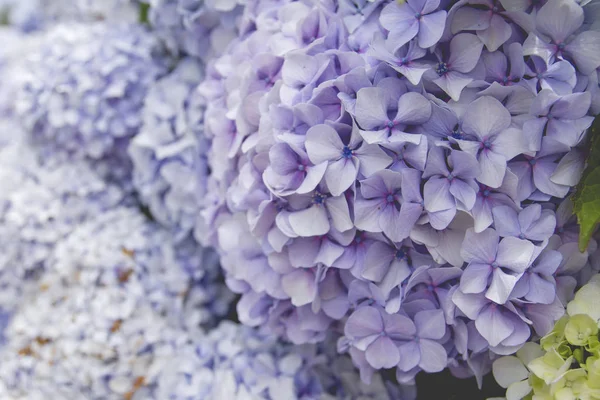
{"x":169,"y":154}
{"x":85,"y":89}
{"x":237,"y":362}
{"x":392,"y":171}
{"x":35,"y":15}
{"x":198,"y":28}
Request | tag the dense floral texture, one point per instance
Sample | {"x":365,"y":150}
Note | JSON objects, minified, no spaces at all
{"x":237,"y":362}
{"x":198,"y":28}
{"x":118,"y":294}
{"x":396,"y":172}
{"x":32,"y":15}
{"x":170,"y":169}
{"x":85,"y":89}
{"x":566,"y":363}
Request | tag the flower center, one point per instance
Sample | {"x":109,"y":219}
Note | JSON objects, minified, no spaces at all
{"x":390,"y":124}
{"x":533,"y":161}
{"x":486,"y":144}
{"x":456,"y":134}
{"x":494,"y":264}
{"x":418,"y":15}
{"x":441,"y":69}
{"x":400,"y":254}
{"x":521,"y":236}
{"x":318,"y":198}
{"x":450,"y":177}
{"x":301,"y":167}
{"x":403,"y":61}
{"x":346,"y":152}
{"x":390,"y":198}
{"x":486,"y":192}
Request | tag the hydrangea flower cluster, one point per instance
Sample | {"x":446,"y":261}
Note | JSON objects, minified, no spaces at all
{"x":118,"y":294}
{"x":170,"y":168}
{"x":396,"y":172}
{"x":85,"y":89}
{"x":237,"y":362}
{"x":197,"y":28}
{"x":566,"y":363}
{"x":34,"y":15}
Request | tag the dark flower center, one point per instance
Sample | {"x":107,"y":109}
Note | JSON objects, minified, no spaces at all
{"x":486,"y":144}
{"x":400,"y":254}
{"x":318,"y":198}
{"x":301,"y":167}
{"x":390,"y":124}
{"x":346,"y":152}
{"x":442,"y":69}
{"x":450,"y":177}
{"x":533,"y":161}
{"x":403,"y":61}
{"x":456,"y":134}
{"x":390,"y":198}
{"x":561,"y":46}
{"x":486,"y":192}
{"x":494,"y":264}
{"x":521,"y":236}
{"x":418,"y":15}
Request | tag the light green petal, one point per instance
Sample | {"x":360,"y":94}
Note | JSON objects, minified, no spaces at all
{"x":579,"y":328}
{"x":550,"y":367}
{"x":508,"y":370}
{"x":530,"y":351}
{"x":518,"y":390}
{"x":587,"y":300}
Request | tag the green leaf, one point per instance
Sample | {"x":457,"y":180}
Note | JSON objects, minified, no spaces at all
{"x":586,"y":201}
{"x":144,"y":10}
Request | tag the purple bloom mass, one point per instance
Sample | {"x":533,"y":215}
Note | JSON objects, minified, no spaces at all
{"x":382,"y":179}
{"x":395,"y":172}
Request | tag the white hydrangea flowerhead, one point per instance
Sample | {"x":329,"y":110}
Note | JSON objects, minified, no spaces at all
{"x":198,"y":28}
{"x":84,"y":91}
{"x":169,"y":154}
{"x":33,"y":15}
{"x":237,"y":362}
{"x":119,"y":297}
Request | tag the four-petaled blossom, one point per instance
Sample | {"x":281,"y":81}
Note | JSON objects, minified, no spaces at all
{"x":494,"y":265}
{"x":377,"y":333}
{"x":532,"y":223}
{"x":418,"y":18}
{"x":494,"y":141}
{"x":345,"y":159}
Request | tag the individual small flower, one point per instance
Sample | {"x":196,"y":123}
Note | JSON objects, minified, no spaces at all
{"x":377,"y":333}
{"x":373,"y":106}
{"x":493,"y":141}
{"x":487,"y":18}
{"x":346,"y":160}
{"x":382,"y":208}
{"x":532,"y":223}
{"x":557,"y":23}
{"x":538,"y":285}
{"x":405,"y":59}
{"x":495,"y":265}
{"x":420,"y":19}
{"x":560,"y":118}
{"x":455,"y":63}
{"x":451,"y":184}
{"x":424,"y":350}
{"x":579,"y":329}
{"x":559,"y":76}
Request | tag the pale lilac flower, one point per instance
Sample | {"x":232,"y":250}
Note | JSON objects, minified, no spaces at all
{"x":532,"y":223}
{"x":423,"y":348}
{"x":494,"y":141}
{"x":451,"y":184}
{"x":345,"y":158}
{"x":557,"y":23}
{"x":455,"y":62}
{"x":414,"y":18}
{"x":377,"y":333}
{"x":559,"y":76}
{"x":384,"y":117}
{"x":405,"y":59}
{"x":487,"y":18}
{"x":495,"y":265}
{"x":538,"y":285}
{"x":561,"y":118}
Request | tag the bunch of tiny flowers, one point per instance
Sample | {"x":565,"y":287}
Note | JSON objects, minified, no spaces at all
{"x":84,"y":91}
{"x":169,"y":154}
{"x":118,"y":294}
{"x":236,"y":362}
{"x":566,"y":363}
{"x":35,"y":15}
{"x":397,"y":173}
{"x":197,"y":28}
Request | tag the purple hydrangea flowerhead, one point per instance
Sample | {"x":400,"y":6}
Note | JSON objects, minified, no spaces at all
{"x":169,"y":156}
{"x":362,"y":176}
{"x":420,"y":19}
{"x":67,"y":106}
{"x":197,"y":28}
{"x":494,"y":265}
